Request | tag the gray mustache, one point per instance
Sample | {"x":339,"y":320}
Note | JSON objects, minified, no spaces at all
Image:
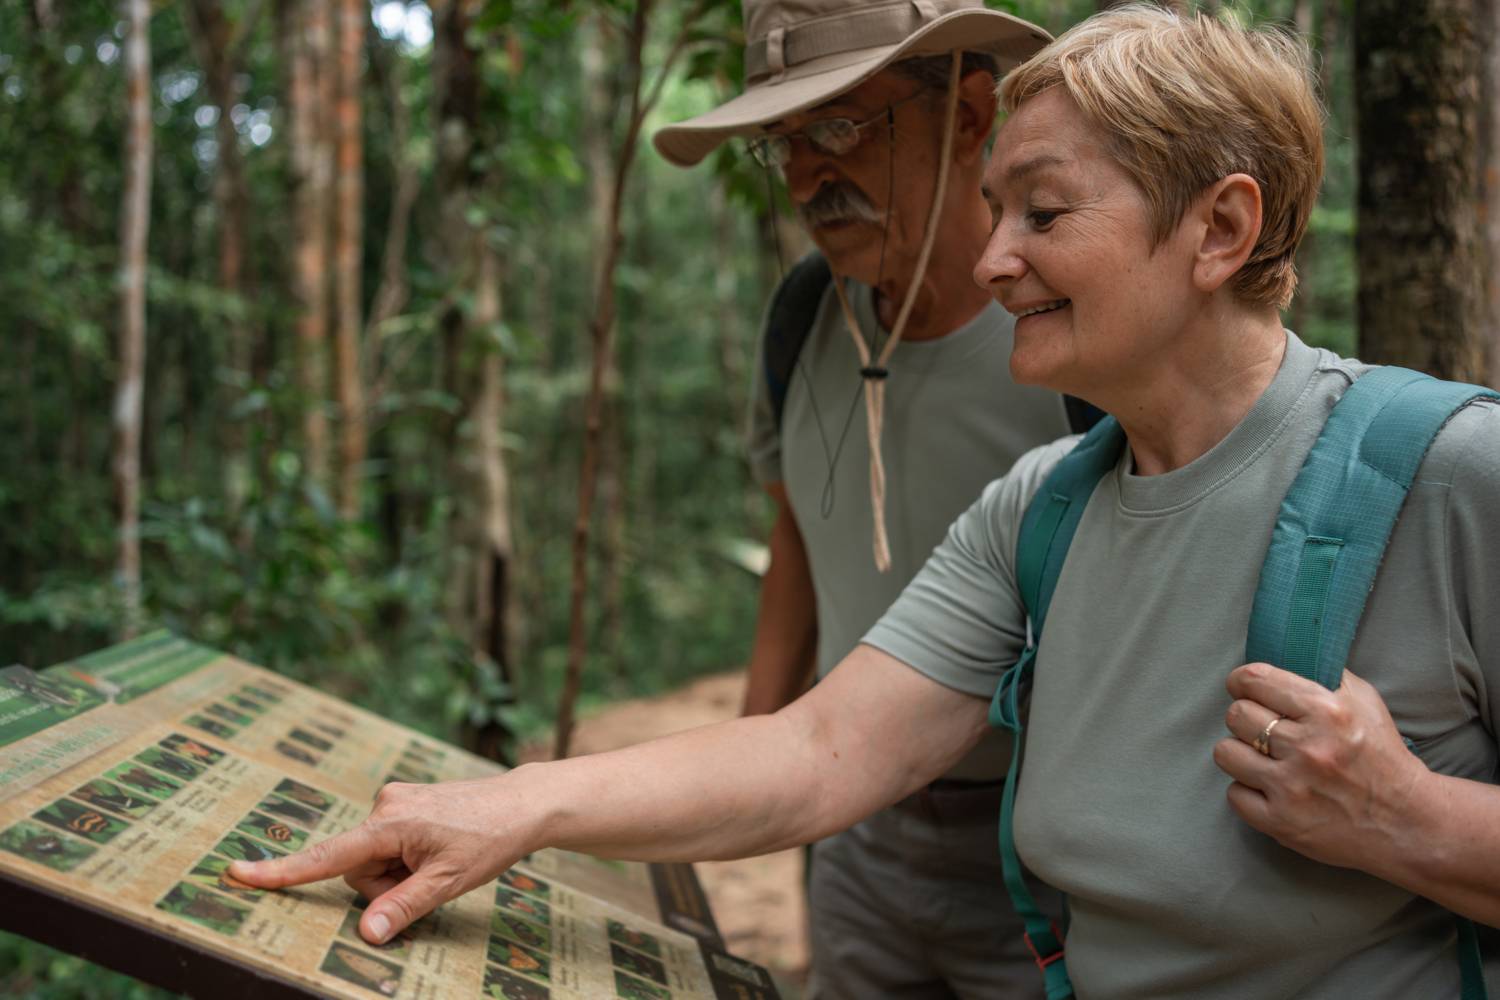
{"x":837,"y":203}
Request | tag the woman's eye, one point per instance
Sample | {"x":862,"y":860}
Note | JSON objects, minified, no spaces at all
{"x":1041,"y":218}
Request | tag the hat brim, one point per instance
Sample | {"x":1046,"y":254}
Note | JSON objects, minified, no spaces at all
{"x":1011,"y":40}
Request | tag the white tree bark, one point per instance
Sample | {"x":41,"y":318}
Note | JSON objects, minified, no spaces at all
{"x":135,"y":216}
{"x":135,"y":220}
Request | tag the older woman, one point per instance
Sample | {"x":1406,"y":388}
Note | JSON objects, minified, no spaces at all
{"x":1149,"y":189}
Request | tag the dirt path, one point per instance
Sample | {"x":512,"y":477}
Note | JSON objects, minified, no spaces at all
{"x":758,"y":902}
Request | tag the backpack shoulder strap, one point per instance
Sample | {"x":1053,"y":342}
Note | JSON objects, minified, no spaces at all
{"x":794,"y":306}
{"x":1042,"y":543}
{"x":1334,"y":522}
{"x":1047,"y":530}
{"x":1331,"y":533}
{"x":1052,"y":517}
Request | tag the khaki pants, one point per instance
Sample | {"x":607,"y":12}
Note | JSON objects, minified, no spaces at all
{"x":911,"y":905}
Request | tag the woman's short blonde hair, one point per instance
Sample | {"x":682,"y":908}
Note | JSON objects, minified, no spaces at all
{"x":1188,"y":100}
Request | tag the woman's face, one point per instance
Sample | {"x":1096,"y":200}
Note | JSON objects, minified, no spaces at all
{"x":1071,"y":256}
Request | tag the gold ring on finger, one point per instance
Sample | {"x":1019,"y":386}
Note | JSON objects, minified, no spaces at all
{"x":1262,"y":742}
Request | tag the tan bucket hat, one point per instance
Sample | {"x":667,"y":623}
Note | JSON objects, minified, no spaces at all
{"x":803,"y":53}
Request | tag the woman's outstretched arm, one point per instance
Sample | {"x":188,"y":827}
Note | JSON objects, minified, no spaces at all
{"x":873,"y":731}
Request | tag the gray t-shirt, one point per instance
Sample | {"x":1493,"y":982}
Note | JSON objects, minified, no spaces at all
{"x":1120,"y":804}
{"x":954,"y":420}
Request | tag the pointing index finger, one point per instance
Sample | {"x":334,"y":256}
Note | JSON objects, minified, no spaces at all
{"x":326,"y":859}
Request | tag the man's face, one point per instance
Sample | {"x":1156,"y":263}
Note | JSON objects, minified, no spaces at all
{"x":847,"y":201}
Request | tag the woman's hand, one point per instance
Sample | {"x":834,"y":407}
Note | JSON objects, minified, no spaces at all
{"x":421,"y":846}
{"x":1334,"y":780}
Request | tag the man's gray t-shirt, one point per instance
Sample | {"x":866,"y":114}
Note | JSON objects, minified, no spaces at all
{"x":1120,"y":804}
{"x":954,"y":420}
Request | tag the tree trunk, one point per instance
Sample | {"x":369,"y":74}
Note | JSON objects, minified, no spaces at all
{"x":456,"y":104}
{"x":480,"y":542}
{"x":353,"y":435}
{"x":601,"y":100}
{"x":493,"y":562}
{"x":612,"y":492}
{"x":135,"y":220}
{"x":600,"y":103}
{"x":641,"y":101}
{"x":43,"y":15}
{"x":307,"y":47}
{"x":217,"y":44}
{"x":601,"y":334}
{"x":393,"y":291}
{"x":1490,"y":199}
{"x":735,"y":346}
{"x":1330,"y":32}
{"x":1419,"y":74}
{"x":732,"y":345}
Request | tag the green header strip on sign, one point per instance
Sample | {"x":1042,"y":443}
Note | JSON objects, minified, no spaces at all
{"x":31,"y":702}
{"x":137,"y":667}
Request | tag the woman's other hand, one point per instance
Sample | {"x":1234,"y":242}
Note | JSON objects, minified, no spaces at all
{"x":1332,"y":779}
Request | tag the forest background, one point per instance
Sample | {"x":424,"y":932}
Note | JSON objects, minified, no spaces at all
{"x":370,"y":341}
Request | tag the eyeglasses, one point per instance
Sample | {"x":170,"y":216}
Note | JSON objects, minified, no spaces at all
{"x":831,"y":136}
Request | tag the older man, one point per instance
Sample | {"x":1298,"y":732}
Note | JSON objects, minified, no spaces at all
{"x":849,"y":102}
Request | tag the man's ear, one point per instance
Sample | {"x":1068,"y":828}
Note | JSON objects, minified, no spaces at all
{"x":976,"y":116}
{"x":1228,"y":217}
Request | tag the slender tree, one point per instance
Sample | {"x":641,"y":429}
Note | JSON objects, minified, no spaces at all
{"x":456,"y":103}
{"x":394,"y":290}
{"x":348,"y":231}
{"x":640,"y":100}
{"x":219,"y":46}
{"x":601,"y":100}
{"x":306,"y":43}
{"x":480,"y":542}
{"x":135,"y":221}
{"x":494,"y":555}
{"x":1419,"y":72}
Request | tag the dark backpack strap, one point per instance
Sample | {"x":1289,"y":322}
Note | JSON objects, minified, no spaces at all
{"x":794,"y":306}
{"x":1082,"y":415}
{"x":1041,"y":547}
{"x":1331,"y":534}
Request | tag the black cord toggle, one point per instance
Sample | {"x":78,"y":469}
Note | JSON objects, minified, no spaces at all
{"x":874,"y":372}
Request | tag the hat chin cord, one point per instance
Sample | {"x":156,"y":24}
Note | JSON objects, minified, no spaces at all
{"x":874,"y":371}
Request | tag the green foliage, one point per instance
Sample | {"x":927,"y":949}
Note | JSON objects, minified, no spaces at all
{"x":36,"y":972}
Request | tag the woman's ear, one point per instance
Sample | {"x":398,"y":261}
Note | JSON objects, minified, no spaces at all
{"x":977,"y":105}
{"x":1229,"y":216}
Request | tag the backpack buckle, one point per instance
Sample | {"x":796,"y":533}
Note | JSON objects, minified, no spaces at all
{"x":1042,"y":961}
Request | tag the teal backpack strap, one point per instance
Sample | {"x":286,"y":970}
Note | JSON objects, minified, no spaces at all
{"x":1334,"y":522}
{"x":1046,"y":532}
{"x":1331,"y":533}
